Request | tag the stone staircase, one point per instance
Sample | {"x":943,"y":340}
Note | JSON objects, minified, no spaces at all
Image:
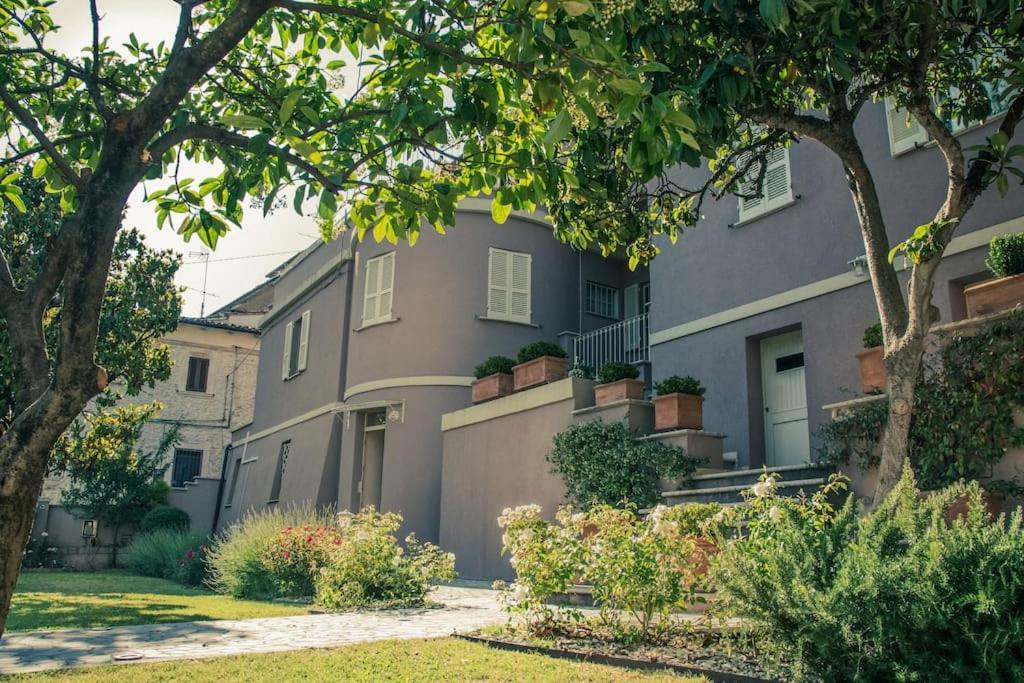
{"x":726,"y":487}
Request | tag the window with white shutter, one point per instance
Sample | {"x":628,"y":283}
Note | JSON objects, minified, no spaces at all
{"x":303,"y":342}
{"x":508,"y":285}
{"x":377,"y":296}
{"x":286,"y":360}
{"x":776,"y":191}
{"x":905,"y":133}
{"x":296,"y":346}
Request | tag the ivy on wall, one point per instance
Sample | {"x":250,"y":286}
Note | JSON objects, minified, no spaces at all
{"x":962,"y":422}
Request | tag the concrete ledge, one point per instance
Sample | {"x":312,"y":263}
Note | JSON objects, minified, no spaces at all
{"x":613,"y":404}
{"x":581,"y":390}
{"x":683,"y":493}
{"x":681,"y":432}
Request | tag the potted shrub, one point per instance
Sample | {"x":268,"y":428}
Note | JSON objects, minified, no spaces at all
{"x":873,"y":375}
{"x":1006,"y":261}
{"x":679,"y":403}
{"x":539,"y":363}
{"x":493,"y":378}
{"x":617,"y":382}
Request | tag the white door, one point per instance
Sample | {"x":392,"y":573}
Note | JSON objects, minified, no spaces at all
{"x":787,"y":441}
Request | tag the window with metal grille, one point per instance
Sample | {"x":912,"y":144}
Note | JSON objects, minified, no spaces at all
{"x":282,"y":462}
{"x":186,"y":466}
{"x":198,"y":369}
{"x":602,"y":300}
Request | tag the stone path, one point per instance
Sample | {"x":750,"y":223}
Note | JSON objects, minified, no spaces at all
{"x":464,"y":609}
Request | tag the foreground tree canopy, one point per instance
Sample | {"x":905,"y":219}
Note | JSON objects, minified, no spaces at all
{"x":579,"y":105}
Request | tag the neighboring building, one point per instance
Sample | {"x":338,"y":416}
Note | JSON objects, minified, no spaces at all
{"x":766,"y":302}
{"x":368,"y":345}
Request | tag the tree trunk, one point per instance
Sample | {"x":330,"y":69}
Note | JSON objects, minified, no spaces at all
{"x":904,"y":367}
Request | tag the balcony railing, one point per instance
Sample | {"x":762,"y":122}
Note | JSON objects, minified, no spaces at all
{"x":624,"y":341}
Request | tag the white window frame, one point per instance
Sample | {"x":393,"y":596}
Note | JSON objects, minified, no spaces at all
{"x":749,"y":209}
{"x":919,"y":137}
{"x":303,"y":350}
{"x":614,"y":294}
{"x":373,"y":290}
{"x":505,"y":290}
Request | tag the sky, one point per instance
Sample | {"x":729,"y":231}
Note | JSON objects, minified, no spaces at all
{"x":243,"y":257}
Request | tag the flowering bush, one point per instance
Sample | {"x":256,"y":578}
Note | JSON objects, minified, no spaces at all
{"x":640,"y":569}
{"x":369,"y":567}
{"x":897,"y":594}
{"x":294,"y":557}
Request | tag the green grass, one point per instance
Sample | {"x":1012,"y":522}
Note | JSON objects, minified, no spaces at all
{"x":403,"y":660}
{"x":47,"y":600}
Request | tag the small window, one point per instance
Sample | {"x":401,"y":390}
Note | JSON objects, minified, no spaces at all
{"x":198,"y":369}
{"x":296,"y":346}
{"x":776,"y":190}
{"x":790,"y":362}
{"x":508,"y":285}
{"x":602,"y":300}
{"x":282,"y":462}
{"x":234,"y":482}
{"x":377,"y":295}
{"x":186,"y":466}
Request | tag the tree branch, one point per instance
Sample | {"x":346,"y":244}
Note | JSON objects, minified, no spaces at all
{"x":26,"y":119}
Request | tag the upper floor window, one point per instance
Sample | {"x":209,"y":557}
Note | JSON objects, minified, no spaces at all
{"x":296,"y":346}
{"x":198,"y":370}
{"x":776,"y":189}
{"x":380,"y":282}
{"x":602,"y":300}
{"x":508,"y":285}
{"x":905,"y":133}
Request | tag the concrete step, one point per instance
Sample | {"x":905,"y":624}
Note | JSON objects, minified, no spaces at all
{"x":732,"y":493}
{"x":748,"y":478}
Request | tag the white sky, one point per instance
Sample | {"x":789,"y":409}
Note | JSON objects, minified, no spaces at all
{"x":242,"y":256}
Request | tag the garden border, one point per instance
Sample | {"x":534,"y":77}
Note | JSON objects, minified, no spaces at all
{"x":612,"y":660}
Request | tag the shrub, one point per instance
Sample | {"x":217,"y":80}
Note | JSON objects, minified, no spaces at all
{"x":238,"y":558}
{"x":169,"y":553}
{"x":494,"y":365}
{"x":294,"y":557}
{"x":165,"y":517}
{"x":898,"y":594}
{"x":640,"y":569}
{"x":539,"y":349}
{"x":603,"y":462}
{"x":679,"y":385}
{"x":1006,"y":255}
{"x":613,"y":372}
{"x":369,"y":567}
{"x":581,"y":371}
{"x":693,"y":519}
{"x":873,"y":336}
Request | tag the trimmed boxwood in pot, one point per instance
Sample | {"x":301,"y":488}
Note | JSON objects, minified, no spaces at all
{"x":617,"y":382}
{"x":540,"y":363}
{"x":493,"y":378}
{"x":679,"y":403}
{"x":1006,"y":261}
{"x":873,"y":375}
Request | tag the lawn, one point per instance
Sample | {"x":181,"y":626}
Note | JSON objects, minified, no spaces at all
{"x":49,"y":600}
{"x":396,"y":660}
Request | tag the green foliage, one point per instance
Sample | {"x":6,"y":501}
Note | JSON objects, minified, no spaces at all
{"x":873,"y":336}
{"x":640,"y":569}
{"x":603,"y":462}
{"x":165,"y":517}
{"x":962,"y":420}
{"x":898,"y":594}
{"x":494,"y":365}
{"x":1006,"y":255}
{"x":581,"y":371}
{"x":109,"y":478}
{"x":693,"y":519}
{"x":294,"y":557}
{"x":614,"y":371}
{"x":539,"y":349}
{"x":169,"y":553}
{"x":679,"y":385}
{"x":370,"y":568}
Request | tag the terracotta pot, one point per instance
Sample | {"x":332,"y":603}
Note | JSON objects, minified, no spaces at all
{"x":538,"y":371}
{"x":993,"y":296}
{"x":700,"y":558}
{"x":873,"y":375}
{"x":678,"y":411}
{"x":619,"y":391}
{"x":491,"y":387}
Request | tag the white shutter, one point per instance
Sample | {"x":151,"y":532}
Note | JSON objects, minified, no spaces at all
{"x":370,"y":293}
{"x":497,"y":284}
{"x":777,"y":189}
{"x":387,"y":282}
{"x":286,"y":361}
{"x":304,"y":341}
{"x":519,"y":287}
{"x":905,"y":133}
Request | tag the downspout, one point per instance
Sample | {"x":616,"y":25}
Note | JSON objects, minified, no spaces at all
{"x":346,"y":331}
{"x":220,"y":489}
{"x":579,"y":292}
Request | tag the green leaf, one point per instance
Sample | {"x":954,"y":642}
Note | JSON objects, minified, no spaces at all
{"x":288,"y":106}
{"x":581,"y":38}
{"x":244,"y":121}
{"x":499,"y":211}
{"x":575,"y":8}
{"x":16,"y":200}
{"x":560,"y":127}
{"x":627,"y":86}
{"x":774,"y":13}
{"x":678,"y":118}
{"x":39,"y":168}
{"x":10,"y":178}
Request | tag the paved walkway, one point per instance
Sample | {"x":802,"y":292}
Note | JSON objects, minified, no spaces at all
{"x":464,"y":609}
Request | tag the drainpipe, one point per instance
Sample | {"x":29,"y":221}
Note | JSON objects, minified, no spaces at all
{"x":220,"y":488}
{"x":579,"y":292}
